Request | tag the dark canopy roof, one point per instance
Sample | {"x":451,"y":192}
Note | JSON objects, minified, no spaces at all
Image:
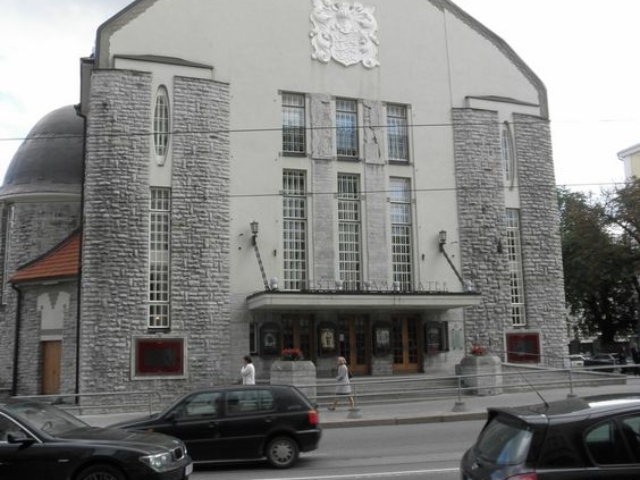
{"x":50,"y":158}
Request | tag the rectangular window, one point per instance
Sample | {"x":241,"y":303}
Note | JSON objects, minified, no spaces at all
{"x":293,"y":123}
{"x":401,"y":232}
{"x":159,"y":256}
{"x":347,"y":128}
{"x":294,"y":228}
{"x":349,"y":231}
{"x":514,"y":253}
{"x":397,"y":134}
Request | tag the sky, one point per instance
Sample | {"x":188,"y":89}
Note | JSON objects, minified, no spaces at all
{"x":585,"y":52}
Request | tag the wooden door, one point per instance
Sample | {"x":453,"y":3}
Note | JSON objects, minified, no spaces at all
{"x":354,"y":343}
{"x":51,"y":367}
{"x":405,"y":341}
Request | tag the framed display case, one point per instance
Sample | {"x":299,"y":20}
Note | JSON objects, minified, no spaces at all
{"x":381,"y":338}
{"x":327,"y":339}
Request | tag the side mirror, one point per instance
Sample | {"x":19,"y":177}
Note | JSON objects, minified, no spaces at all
{"x":20,"y":438}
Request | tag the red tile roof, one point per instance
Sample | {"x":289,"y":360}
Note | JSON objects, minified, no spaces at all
{"x":63,"y":260}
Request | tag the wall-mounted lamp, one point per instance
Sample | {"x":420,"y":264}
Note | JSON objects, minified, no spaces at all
{"x":254,"y":231}
{"x":254,"y":235}
{"x":442,"y":238}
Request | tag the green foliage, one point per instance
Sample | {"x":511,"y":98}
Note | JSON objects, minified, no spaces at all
{"x":600,"y":259}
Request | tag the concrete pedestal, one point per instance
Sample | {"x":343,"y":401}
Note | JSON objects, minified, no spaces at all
{"x":301,"y":374}
{"x":489,"y":369}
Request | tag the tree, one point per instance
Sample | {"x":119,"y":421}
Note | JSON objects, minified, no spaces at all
{"x":599,"y":267}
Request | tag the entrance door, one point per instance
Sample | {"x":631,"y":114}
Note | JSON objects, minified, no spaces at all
{"x":51,"y":367}
{"x":405,"y":340}
{"x":354,"y":345}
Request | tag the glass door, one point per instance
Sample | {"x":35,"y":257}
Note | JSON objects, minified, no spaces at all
{"x":405,"y":341}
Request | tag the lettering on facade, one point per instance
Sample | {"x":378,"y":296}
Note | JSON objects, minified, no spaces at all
{"x":345,"y":32}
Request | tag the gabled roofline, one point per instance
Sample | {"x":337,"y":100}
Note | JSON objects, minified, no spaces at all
{"x":502,"y":46}
{"x":138,"y":7}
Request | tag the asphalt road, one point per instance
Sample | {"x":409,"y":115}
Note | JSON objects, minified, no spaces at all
{"x":422,"y":451}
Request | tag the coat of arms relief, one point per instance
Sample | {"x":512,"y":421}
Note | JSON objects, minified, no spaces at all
{"x":345,"y":32}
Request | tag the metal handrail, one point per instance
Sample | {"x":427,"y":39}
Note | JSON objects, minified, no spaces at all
{"x":59,"y":400}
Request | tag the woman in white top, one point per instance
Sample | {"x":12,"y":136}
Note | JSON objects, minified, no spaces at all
{"x":343,"y":383}
{"x":248,"y":371}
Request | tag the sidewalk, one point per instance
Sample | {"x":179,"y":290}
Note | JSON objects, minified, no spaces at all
{"x":428,"y":411}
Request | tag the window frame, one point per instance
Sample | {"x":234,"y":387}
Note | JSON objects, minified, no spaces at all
{"x":159,"y":263}
{"x":161,"y":124}
{"x":347,"y":133}
{"x":516,"y":272}
{"x":349,"y":212}
{"x":295,"y":237}
{"x":397,"y":120}
{"x":288,"y":109}
{"x":401,"y":224}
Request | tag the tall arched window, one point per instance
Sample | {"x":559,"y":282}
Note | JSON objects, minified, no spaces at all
{"x":508,"y":153}
{"x":161,"y":125}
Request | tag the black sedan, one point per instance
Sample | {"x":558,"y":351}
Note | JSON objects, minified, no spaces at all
{"x":40,"y":441}
{"x":240,"y":423}
{"x":574,"y":439}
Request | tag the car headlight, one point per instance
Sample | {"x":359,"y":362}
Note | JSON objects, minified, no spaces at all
{"x":160,"y":462}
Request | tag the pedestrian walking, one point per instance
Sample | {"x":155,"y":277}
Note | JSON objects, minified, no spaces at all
{"x":248,"y":371}
{"x":344,"y":384}
{"x":635,"y":356}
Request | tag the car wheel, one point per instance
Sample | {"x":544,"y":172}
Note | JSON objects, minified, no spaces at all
{"x":282,"y":452}
{"x":101,"y":472}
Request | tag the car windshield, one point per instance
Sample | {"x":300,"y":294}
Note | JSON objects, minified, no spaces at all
{"x":46,"y":418}
{"x":504,"y":441}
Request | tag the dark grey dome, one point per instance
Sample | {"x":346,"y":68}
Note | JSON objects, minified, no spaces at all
{"x":50,"y":158}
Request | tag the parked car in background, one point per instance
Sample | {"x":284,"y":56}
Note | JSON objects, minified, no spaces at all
{"x":577,"y":360}
{"x":40,"y":441}
{"x":603,"y":360}
{"x":238,"y":423}
{"x":577,"y":438}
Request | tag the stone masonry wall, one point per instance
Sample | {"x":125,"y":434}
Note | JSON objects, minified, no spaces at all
{"x":115,"y":280}
{"x":481,"y":213}
{"x":541,"y":241}
{"x":26,"y":242}
{"x":30,"y":362}
{"x":115,"y":252}
{"x":200,"y":228}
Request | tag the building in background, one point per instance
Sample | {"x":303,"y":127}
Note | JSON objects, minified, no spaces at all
{"x":631,"y":161}
{"x":372,"y":182}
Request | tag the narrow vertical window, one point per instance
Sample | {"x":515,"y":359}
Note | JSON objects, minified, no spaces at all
{"x":508,"y":153}
{"x":397,"y":135}
{"x":349,"y":256}
{"x":161,"y":125}
{"x":514,"y":252}
{"x":293,"y":123}
{"x":7,"y":252}
{"x":294,"y":230}
{"x":347,"y":128}
{"x":159,"y":257}
{"x":401,"y":232}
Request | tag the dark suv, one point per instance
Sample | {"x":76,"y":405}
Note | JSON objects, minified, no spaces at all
{"x":239,"y":423}
{"x":578,"y":438}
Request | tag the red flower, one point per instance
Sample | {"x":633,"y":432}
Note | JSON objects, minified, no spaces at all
{"x":477,"y":350}
{"x":291,"y":354}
